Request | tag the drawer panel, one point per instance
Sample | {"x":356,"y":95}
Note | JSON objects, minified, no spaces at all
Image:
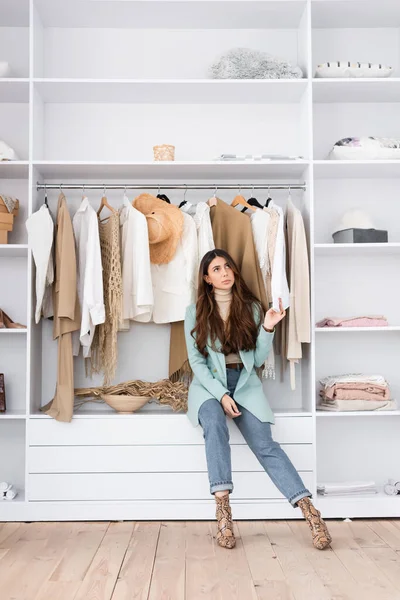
{"x":151,"y":459}
{"x":150,"y":430}
{"x":147,"y":486}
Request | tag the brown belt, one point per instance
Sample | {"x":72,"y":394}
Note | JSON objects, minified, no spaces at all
{"x":235,"y":366}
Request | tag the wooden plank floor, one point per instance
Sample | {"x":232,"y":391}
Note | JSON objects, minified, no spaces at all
{"x":177,"y":560}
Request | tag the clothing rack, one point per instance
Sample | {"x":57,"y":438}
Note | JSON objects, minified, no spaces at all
{"x":170,"y":186}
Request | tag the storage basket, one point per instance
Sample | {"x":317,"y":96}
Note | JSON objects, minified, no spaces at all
{"x":164,"y":152}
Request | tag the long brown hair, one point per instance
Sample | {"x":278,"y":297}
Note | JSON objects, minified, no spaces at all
{"x":240,"y":332}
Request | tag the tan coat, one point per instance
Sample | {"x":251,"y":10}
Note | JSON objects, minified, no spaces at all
{"x":67,"y":317}
{"x":297,"y":330}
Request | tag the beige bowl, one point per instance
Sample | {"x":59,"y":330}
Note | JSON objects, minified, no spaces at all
{"x":125,"y":404}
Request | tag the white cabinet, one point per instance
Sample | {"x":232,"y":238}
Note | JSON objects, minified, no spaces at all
{"x":95,"y":84}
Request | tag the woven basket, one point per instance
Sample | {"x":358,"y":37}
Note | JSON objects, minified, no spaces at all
{"x":164,"y":152}
{"x":125,"y":404}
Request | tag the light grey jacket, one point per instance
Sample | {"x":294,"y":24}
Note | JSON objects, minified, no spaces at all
{"x":209,"y":379}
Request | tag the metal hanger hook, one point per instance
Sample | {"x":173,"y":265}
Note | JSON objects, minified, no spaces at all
{"x":184,"y":193}
{"x":104,"y":188}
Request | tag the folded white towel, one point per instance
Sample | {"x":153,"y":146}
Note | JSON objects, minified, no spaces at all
{"x":10,"y":494}
{"x":347,"y":487}
{"x":353,"y":378}
{"x":4,"y":486}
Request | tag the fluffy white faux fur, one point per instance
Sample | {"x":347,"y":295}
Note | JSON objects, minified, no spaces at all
{"x":244,"y":63}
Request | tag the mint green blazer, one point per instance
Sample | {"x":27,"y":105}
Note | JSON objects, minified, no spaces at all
{"x":209,"y":379}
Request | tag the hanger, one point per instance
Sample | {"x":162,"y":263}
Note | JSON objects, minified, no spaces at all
{"x":184,"y":201}
{"x":213,"y":200}
{"x":104,"y":203}
{"x":268,"y":199}
{"x":239,"y":199}
{"x":253,"y":202}
{"x":163,"y":197}
{"x":45,"y":196}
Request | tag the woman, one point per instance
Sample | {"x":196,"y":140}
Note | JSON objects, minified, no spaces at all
{"x":227,"y":338}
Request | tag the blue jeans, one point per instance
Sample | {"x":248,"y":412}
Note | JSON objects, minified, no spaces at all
{"x":258,"y":436}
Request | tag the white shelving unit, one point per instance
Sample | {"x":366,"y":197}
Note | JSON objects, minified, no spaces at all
{"x":93,"y":113}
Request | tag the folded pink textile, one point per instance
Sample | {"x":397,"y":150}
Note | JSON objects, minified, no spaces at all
{"x":371,"y":321}
{"x":356,"y":391}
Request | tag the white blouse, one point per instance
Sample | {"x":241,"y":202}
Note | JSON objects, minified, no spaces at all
{"x":90,"y":276}
{"x":138,"y":300}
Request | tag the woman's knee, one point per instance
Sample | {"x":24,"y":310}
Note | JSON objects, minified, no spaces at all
{"x":212,"y":416}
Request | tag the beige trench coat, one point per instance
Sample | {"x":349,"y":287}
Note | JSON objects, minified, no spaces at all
{"x":67,"y":316}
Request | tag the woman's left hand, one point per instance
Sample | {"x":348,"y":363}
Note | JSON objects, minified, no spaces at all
{"x":272,"y":317}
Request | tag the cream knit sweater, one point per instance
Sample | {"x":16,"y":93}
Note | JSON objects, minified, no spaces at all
{"x":223,"y":298}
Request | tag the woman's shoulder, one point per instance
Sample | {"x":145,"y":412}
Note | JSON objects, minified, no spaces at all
{"x":191,"y":310}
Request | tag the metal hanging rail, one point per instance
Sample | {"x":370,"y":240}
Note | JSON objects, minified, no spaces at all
{"x":169,"y":186}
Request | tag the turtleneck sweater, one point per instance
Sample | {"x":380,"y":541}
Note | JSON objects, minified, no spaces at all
{"x":223,"y":299}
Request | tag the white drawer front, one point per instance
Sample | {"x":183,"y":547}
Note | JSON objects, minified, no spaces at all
{"x":151,"y":430}
{"x":150,"y":459}
{"x":147,"y":486}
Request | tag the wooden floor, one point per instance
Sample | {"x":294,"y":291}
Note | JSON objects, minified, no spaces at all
{"x":273,"y":560}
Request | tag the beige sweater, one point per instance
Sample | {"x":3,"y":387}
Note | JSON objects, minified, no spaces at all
{"x":223,"y":298}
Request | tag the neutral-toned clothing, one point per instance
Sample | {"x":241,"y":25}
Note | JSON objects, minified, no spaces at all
{"x":297,"y":326}
{"x":104,"y":354}
{"x":205,"y":239}
{"x":67,"y":316}
{"x":272,"y":235}
{"x":90,"y":276}
{"x":279,"y":284}
{"x":259,"y":439}
{"x":210,"y":381}
{"x":356,"y":405}
{"x":174,"y":283}
{"x":371,"y":321}
{"x":260,"y":226}
{"x":137,"y":286}
{"x":232,"y":232}
{"x":40,"y":229}
{"x":223,"y":299}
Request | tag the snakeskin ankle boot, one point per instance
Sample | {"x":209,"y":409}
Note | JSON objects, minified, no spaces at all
{"x":225,"y":536}
{"x":319,"y":531}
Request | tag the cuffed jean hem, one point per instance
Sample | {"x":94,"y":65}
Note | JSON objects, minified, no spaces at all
{"x":220,"y":487}
{"x":303,"y":494}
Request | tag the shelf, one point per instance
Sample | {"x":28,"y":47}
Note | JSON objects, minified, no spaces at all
{"x":154,"y":14}
{"x":332,"y":249}
{"x":174,"y":91}
{"x":359,"y":413}
{"x":13,"y":331}
{"x":13,"y":414}
{"x":102,"y":413}
{"x":16,"y":169}
{"x":355,"y":329}
{"x":356,"y":90}
{"x":209,"y":171}
{"x":14,"y":13}
{"x":332,"y":14}
{"x":355,"y":169}
{"x":14,"y":90}
{"x":13,"y":250}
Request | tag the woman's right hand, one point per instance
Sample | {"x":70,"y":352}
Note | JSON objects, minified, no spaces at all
{"x":229,"y":406}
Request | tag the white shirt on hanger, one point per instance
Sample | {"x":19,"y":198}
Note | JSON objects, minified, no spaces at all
{"x":174,"y":283}
{"x":137,"y":288}
{"x":279,"y":284}
{"x":90,"y":276}
{"x":205,"y":239}
{"x":259,"y":224}
{"x":40,"y":227}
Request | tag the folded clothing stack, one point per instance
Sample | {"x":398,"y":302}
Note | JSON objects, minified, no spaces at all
{"x":348,"y":488}
{"x":355,"y":391}
{"x":367,"y":321}
{"x":7,"y":491}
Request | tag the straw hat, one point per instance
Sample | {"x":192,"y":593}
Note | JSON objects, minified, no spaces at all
{"x":165,"y":226}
